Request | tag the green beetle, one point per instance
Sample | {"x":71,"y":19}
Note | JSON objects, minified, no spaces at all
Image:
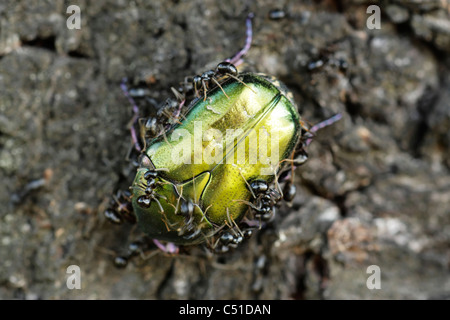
{"x":216,"y":167}
{"x":211,"y":172}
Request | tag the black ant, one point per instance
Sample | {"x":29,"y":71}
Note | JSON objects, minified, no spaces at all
{"x":211,"y":76}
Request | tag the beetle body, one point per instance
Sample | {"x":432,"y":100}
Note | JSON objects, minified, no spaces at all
{"x":206,"y":163}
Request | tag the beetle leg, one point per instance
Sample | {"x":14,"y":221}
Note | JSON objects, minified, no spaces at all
{"x":236,"y":59}
{"x":134,"y":120}
{"x":167,"y":248}
{"x":140,"y":247}
{"x":180,"y":107}
{"x":323,"y":124}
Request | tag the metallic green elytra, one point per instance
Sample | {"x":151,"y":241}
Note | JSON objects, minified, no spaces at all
{"x":194,"y":181}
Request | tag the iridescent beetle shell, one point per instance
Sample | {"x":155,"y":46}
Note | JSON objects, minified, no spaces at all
{"x":240,"y":133}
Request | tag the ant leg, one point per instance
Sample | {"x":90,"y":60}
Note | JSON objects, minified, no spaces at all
{"x":218,"y":84}
{"x":204,"y":90}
